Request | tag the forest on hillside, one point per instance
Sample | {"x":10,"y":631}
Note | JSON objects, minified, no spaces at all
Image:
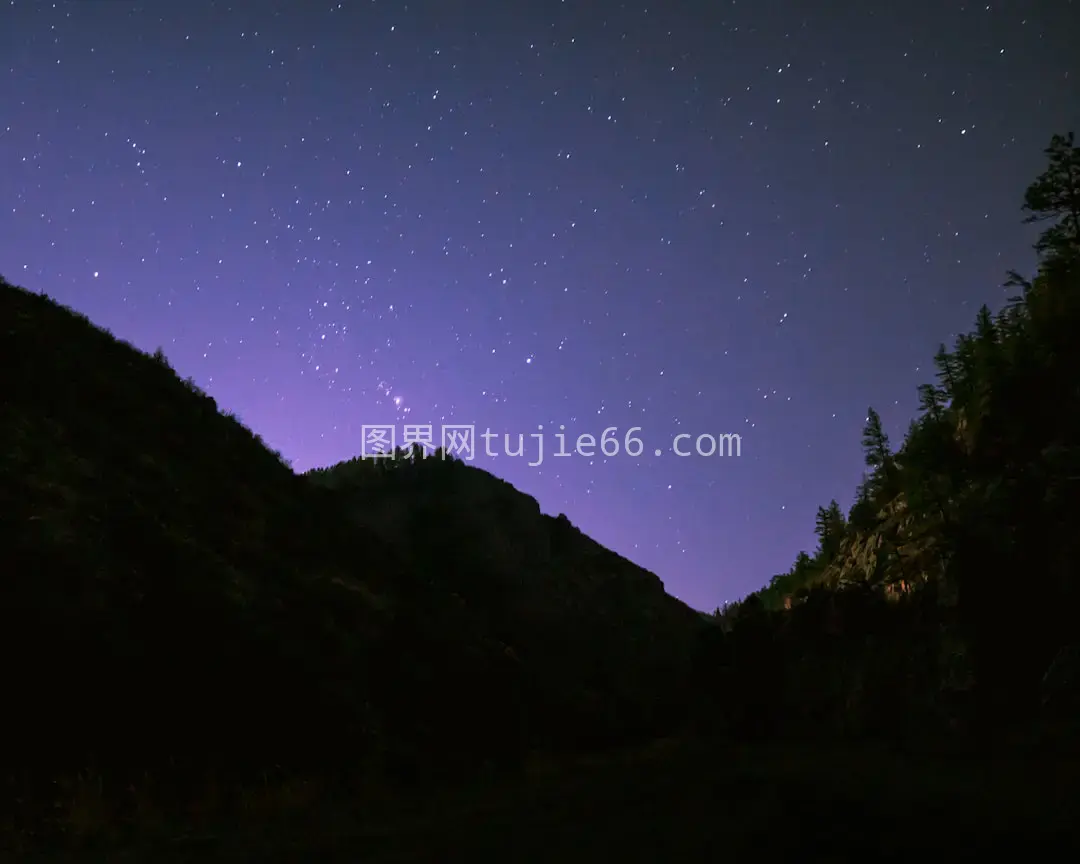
{"x":945,"y":601}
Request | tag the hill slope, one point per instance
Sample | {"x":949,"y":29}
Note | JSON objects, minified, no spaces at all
{"x":604,"y":648}
{"x":945,"y":600}
{"x":176,"y":603}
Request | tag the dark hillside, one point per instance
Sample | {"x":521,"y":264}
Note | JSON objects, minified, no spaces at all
{"x":602,"y":649}
{"x":172,"y":592}
{"x":180,"y":608}
{"x":943,"y":606}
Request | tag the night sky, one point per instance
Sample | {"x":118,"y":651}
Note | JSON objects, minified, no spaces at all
{"x":754,"y":218}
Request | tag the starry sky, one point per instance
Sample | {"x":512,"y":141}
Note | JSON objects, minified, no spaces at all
{"x":754,"y":218}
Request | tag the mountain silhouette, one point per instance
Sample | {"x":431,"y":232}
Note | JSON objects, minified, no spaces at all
{"x":178,"y":602}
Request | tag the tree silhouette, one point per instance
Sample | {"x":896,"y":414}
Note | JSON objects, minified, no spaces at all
{"x":946,"y":593}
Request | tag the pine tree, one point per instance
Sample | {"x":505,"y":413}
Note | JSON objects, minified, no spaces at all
{"x":947,"y":372}
{"x":1055,"y":197}
{"x":875,"y":442}
{"x":829,"y":526}
{"x":932,"y":401}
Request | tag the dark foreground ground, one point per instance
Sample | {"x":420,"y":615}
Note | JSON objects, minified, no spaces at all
{"x":678,"y":803}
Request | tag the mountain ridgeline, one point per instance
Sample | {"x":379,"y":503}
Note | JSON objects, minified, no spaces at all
{"x":945,"y":601}
{"x":183,"y":616}
{"x":177,"y":604}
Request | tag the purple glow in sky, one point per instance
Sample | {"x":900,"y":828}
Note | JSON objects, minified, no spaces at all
{"x":751,"y":218}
